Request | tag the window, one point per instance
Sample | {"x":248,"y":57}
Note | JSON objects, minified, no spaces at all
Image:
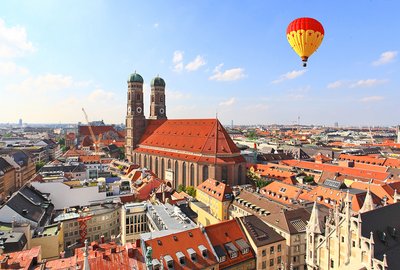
{"x":224,"y":173}
{"x":222,"y":258}
{"x":184,"y":174}
{"x":264,"y":265}
{"x":332,"y":264}
{"x":342,"y":239}
{"x":264,"y":252}
{"x":297,"y":248}
{"x":240,"y":174}
{"x":282,"y":190}
{"x":354,"y":243}
{"x":295,"y":259}
{"x":279,"y":248}
{"x":271,"y":250}
{"x":192,"y":175}
{"x":271,"y":262}
{"x":279,"y":259}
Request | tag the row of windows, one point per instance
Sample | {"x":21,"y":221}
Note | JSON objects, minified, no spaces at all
{"x":135,"y":219}
{"x":138,"y":228}
{"x":271,"y":250}
{"x":272,"y":262}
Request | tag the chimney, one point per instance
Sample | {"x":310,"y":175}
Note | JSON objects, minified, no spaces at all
{"x":4,"y":261}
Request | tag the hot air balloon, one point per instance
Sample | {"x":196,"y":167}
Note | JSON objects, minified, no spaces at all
{"x":305,"y":35}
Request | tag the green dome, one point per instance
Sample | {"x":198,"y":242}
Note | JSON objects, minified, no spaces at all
{"x":157,"y":81}
{"x":134,"y":77}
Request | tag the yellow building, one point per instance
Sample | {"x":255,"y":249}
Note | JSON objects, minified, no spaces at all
{"x":214,"y":198}
{"x":51,"y":241}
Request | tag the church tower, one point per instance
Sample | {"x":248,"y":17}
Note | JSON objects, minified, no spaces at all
{"x":135,"y":120}
{"x":157,"y":105}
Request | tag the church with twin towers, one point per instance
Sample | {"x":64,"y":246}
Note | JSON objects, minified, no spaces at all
{"x":180,"y":151}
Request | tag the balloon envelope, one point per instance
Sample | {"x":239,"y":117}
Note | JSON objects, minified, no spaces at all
{"x":305,"y":35}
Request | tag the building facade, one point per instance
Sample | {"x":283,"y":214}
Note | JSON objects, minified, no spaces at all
{"x":183,"y":152}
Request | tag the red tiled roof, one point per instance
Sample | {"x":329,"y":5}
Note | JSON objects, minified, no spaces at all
{"x":181,"y":242}
{"x":228,"y":232}
{"x":191,"y":135}
{"x":90,"y":159}
{"x":102,"y":257}
{"x":97,"y":130}
{"x":24,"y":259}
{"x":387,"y":162}
{"x":75,"y":153}
{"x":282,"y":192}
{"x":216,"y":189}
{"x":333,"y":168}
{"x":70,"y":136}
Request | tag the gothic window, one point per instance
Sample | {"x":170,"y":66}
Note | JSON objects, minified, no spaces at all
{"x":205,"y":172}
{"x":192,"y":175}
{"x":169,"y":164}
{"x":129,"y":95}
{"x":161,"y":98}
{"x":224,"y":174}
{"x":156,"y":166}
{"x":176,"y":173}
{"x":145,"y":161}
{"x":240,"y":174}
{"x":152,"y":98}
{"x":184,"y":174}
{"x":162,"y":169}
{"x":138,"y":96}
{"x":150,"y":163}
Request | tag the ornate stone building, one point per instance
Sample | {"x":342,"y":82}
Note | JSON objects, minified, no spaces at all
{"x":181,"y":151}
{"x":365,"y":240}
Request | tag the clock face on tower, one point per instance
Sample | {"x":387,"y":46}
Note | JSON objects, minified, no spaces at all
{"x":129,"y":109}
{"x":161,"y":111}
{"x":138,"y":109}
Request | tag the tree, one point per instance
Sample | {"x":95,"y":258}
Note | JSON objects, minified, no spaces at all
{"x":39,"y":165}
{"x":181,"y":188}
{"x":121,"y":153}
{"x":191,"y":191}
{"x":61,"y":142}
{"x":262,"y":183}
{"x":64,"y":148}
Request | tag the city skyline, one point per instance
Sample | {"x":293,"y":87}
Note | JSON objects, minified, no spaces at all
{"x":56,"y":58}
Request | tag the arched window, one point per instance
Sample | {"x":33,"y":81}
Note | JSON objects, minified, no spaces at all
{"x":205,"y":172}
{"x":162,"y":169}
{"x":161,"y":98}
{"x":240,"y":174}
{"x":192,"y":175}
{"x":150,"y":163}
{"x":145,"y":161}
{"x":169,"y":164}
{"x":138,"y":96}
{"x":184,"y":174}
{"x":176,"y":173}
{"x":139,"y":160}
{"x":224,"y":173}
{"x":129,"y":95}
{"x":156,"y":166}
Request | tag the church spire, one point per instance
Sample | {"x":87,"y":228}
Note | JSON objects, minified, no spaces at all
{"x":86,"y":265}
{"x":368,"y":203}
{"x":314,"y":224}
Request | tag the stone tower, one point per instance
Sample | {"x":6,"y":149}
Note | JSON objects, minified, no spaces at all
{"x":157,"y":98}
{"x":135,"y":120}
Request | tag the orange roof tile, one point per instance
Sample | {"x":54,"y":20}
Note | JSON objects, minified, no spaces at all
{"x":333,"y":168}
{"x":224,"y":233}
{"x":90,"y":159}
{"x":216,"y":189}
{"x":182,"y":242}
{"x":281,"y":192}
{"x":23,"y":259}
{"x":205,"y":136}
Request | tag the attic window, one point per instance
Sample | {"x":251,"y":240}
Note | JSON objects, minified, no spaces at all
{"x":203,"y":250}
{"x":282,"y":190}
{"x":181,"y":258}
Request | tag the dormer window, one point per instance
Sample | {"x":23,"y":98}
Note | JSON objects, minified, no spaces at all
{"x":192,"y":254}
{"x":170,"y":262}
{"x":203,"y":251}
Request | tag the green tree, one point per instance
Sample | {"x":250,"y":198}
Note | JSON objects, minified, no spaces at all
{"x":121,"y":153}
{"x":191,"y":191}
{"x":64,"y":148}
{"x":61,"y":142}
{"x":181,"y":188}
{"x":262,"y":183}
{"x":39,"y":165}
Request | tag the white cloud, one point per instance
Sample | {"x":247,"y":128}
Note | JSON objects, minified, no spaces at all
{"x":43,"y":83}
{"x":290,"y":76}
{"x":372,"y":99}
{"x":336,"y":84}
{"x":14,"y":41}
{"x":367,"y":83}
{"x":195,"y":64}
{"x":100,"y":95}
{"x":10,"y":68}
{"x":385,"y":58}
{"x":227,"y":75}
{"x":177,"y":60}
{"x":228,"y":102}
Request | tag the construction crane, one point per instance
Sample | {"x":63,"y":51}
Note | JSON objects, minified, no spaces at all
{"x":95,"y":143}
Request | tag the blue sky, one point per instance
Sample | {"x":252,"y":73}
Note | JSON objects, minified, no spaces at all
{"x":227,"y":56}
